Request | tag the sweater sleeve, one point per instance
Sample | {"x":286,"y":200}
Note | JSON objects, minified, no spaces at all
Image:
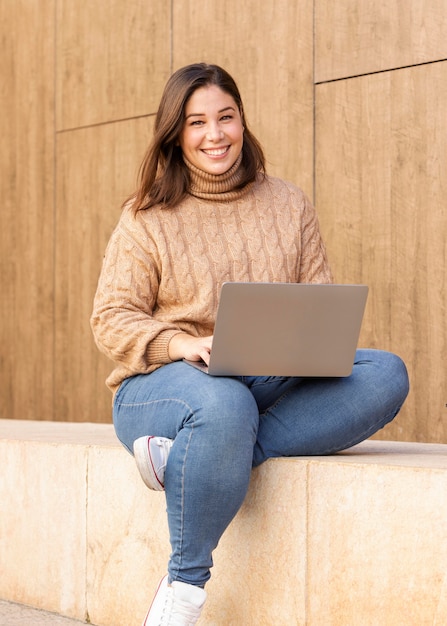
{"x":314,"y":265}
{"x":123,"y":324}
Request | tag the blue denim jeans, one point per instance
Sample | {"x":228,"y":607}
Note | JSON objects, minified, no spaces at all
{"x":222,"y":427}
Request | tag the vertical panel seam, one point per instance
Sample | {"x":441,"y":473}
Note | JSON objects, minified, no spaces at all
{"x":314,"y":125}
{"x":53,"y":368}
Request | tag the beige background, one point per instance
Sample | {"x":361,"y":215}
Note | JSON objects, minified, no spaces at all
{"x":349,"y":101}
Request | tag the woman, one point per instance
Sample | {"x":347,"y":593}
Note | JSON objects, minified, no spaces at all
{"x":205,"y":212}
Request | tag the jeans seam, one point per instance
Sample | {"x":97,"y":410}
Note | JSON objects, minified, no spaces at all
{"x":275,"y":404}
{"x":182,"y":496}
{"x":159,"y":401}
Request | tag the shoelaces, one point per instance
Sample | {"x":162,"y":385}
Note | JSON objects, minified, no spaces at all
{"x":178,"y":613}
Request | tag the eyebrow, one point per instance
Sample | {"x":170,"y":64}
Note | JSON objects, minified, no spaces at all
{"x":229,"y":108}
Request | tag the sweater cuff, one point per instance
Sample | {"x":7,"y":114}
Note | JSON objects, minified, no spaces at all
{"x":157,"y":350}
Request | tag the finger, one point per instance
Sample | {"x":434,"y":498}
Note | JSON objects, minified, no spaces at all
{"x":205,"y":356}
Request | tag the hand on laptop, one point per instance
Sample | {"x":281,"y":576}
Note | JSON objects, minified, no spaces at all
{"x":184,"y":346}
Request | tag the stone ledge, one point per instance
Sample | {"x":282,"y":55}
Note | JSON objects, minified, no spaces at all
{"x":354,"y":539}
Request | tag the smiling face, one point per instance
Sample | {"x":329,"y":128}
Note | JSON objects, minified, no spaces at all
{"x":212,"y":133}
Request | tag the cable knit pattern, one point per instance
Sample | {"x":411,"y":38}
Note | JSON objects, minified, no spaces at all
{"x":163,"y":268}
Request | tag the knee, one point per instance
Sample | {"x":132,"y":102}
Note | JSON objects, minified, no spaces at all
{"x":230,"y":406}
{"x":395,"y":371}
{"x":399,"y":376}
{"x":390,"y":372}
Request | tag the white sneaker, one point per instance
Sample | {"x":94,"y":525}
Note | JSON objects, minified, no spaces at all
{"x":151,"y":455}
{"x":178,"y":604}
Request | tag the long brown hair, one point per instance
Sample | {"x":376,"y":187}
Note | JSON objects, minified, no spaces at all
{"x":163,"y":175}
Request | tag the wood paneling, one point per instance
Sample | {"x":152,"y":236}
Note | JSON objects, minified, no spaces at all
{"x":96,"y":172}
{"x":269,"y":53}
{"x":112,"y":59}
{"x":354,"y":37}
{"x":381,"y":159}
{"x":26,"y":234}
{"x":380,"y":163}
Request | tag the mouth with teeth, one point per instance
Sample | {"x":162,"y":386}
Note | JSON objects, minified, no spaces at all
{"x":216,"y":152}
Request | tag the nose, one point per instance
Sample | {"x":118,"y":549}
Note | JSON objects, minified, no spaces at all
{"x":214,"y":133}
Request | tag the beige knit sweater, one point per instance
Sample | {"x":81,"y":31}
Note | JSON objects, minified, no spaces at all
{"x":163,"y":268}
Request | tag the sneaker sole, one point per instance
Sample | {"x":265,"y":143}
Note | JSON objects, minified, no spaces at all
{"x":145,"y":466}
{"x":163,"y":583}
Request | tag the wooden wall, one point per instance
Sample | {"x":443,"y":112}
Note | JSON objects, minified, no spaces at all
{"x":381,"y":183}
{"x":348,"y":99}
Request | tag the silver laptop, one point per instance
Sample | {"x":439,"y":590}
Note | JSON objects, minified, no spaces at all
{"x":286,"y":329}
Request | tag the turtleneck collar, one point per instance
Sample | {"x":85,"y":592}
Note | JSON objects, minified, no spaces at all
{"x":218,"y":187}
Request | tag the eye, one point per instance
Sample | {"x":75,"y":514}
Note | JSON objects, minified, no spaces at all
{"x":227,"y":117}
{"x":197,"y":123}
